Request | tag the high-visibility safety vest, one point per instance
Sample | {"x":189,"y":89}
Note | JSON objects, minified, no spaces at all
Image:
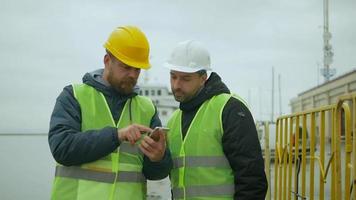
{"x":200,"y":168}
{"x":116,"y":176}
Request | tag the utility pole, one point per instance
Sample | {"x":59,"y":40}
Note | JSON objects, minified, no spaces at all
{"x":327,"y":72}
{"x":279,"y":94}
{"x":260,"y":101}
{"x":317,"y":72}
{"x":272,"y":112}
{"x":249,"y":97}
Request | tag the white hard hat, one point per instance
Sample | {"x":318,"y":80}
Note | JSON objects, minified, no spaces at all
{"x":189,"y":56}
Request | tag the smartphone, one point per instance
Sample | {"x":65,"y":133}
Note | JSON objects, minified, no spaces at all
{"x":153,"y":133}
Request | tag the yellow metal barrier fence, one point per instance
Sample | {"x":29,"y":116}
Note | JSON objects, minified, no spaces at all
{"x":297,"y":148}
{"x":267,"y":154}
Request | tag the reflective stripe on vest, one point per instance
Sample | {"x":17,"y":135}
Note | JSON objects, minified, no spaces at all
{"x":98,"y":176}
{"x":201,"y":161}
{"x":201,"y":191}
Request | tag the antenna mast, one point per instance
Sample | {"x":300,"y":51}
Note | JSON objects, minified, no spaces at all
{"x":327,"y":72}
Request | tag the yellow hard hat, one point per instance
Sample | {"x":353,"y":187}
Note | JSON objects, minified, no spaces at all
{"x":130,"y":45}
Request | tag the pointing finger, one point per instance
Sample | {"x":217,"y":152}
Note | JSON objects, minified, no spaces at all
{"x":142,"y":128}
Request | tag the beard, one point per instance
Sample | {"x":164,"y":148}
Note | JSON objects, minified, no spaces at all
{"x":179,"y":96}
{"x":124,"y":86}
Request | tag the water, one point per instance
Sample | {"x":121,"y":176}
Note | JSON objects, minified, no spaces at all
{"x":27,"y":170}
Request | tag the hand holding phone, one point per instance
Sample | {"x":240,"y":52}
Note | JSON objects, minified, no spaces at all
{"x":154,"y":133}
{"x":154,"y":145}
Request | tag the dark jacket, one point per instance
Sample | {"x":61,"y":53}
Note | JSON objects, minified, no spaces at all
{"x":240,"y":141}
{"x":71,"y":146}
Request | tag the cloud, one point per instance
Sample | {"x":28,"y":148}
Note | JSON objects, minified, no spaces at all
{"x":46,"y":45}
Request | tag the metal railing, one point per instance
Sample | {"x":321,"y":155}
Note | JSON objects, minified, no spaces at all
{"x":297,"y":147}
{"x":267,"y":159}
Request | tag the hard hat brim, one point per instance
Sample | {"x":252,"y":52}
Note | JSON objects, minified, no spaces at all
{"x":185,"y":69}
{"x":136,"y":64}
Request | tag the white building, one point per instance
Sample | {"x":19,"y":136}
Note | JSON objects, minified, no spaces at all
{"x":162,"y":98}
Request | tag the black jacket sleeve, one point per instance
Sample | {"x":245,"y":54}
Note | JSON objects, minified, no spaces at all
{"x":70,"y":146}
{"x":157,"y":170}
{"x":243,"y":151}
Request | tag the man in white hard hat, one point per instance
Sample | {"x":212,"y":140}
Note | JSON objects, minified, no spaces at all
{"x":213,"y":138}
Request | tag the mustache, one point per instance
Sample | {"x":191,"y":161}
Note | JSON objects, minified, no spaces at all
{"x":177,"y":90}
{"x":130,"y":80}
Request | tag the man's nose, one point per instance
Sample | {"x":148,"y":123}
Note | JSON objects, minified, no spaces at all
{"x":176,"y":84}
{"x":134,"y":73}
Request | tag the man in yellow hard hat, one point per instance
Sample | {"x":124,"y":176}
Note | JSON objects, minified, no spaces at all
{"x":96,"y":128}
{"x":213,"y":138}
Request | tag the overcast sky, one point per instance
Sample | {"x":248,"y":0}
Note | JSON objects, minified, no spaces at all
{"x":45,"y":45}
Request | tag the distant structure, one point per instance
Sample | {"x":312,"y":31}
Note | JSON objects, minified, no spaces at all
{"x":325,"y":94}
{"x":327,"y":72}
{"x":162,"y":98}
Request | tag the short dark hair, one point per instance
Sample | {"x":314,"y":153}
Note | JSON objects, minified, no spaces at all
{"x":201,"y":72}
{"x":109,"y":53}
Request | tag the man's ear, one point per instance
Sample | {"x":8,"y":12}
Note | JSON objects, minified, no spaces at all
{"x":106,"y":59}
{"x":205,"y":77}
